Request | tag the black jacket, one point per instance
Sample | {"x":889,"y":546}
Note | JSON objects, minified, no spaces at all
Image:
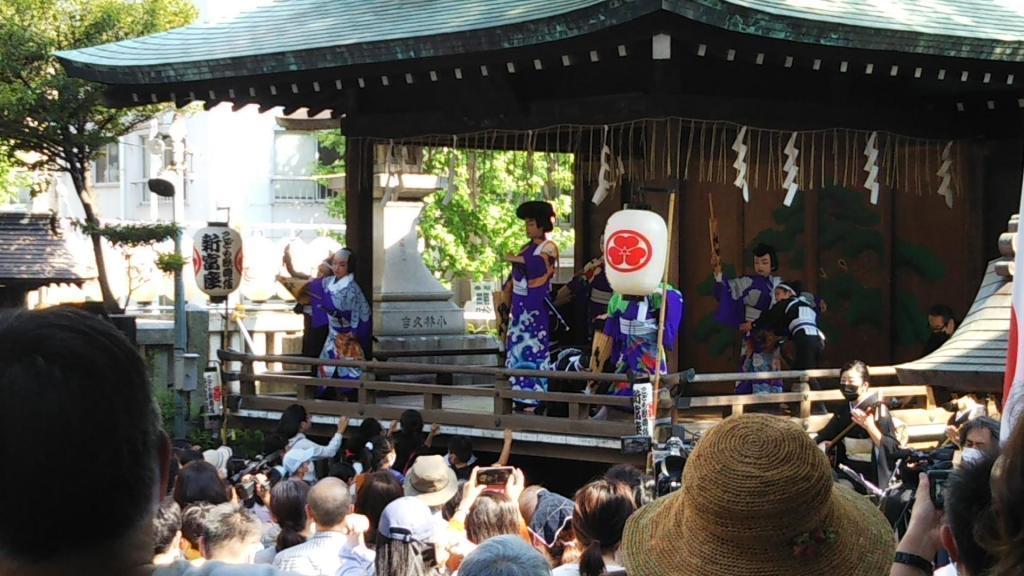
{"x":883,"y":457}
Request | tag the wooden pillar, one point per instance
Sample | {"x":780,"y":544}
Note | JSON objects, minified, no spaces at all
{"x":359,"y":165}
{"x":582,"y":210}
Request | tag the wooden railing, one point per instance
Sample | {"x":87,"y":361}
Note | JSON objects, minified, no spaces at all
{"x":375,"y":398}
{"x":370,"y":391}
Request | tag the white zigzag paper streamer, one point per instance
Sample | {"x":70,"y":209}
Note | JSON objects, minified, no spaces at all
{"x":945,"y":173}
{"x":871,"y":167}
{"x":741,"y":163}
{"x":791,"y":170}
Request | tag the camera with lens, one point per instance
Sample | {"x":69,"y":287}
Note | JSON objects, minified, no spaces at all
{"x":918,"y":462}
{"x":669,"y":461}
{"x":246,"y":474}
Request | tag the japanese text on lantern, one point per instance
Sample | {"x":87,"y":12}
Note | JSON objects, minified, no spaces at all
{"x":211,"y":247}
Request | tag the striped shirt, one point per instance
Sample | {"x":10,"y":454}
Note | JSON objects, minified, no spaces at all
{"x":318,"y":556}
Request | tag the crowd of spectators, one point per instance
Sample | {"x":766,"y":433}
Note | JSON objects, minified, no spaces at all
{"x":758,"y":497}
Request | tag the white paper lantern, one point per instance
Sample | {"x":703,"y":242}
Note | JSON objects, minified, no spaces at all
{"x":635,"y":247}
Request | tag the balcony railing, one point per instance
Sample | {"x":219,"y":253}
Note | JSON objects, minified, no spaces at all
{"x":304,"y":189}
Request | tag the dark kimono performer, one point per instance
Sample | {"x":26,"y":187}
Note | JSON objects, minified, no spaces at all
{"x":589,"y":285}
{"x":530,"y":285}
{"x":632,"y":325}
{"x":741,"y":301}
{"x":795,"y":318}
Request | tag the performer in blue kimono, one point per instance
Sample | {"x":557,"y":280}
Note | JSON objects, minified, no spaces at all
{"x":350,"y":322}
{"x":530,"y":284}
{"x":632,"y":328}
{"x":741,"y":301}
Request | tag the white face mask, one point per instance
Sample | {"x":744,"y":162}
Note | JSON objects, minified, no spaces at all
{"x":971,"y":456}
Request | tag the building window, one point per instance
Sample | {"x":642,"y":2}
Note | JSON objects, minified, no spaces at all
{"x":296,"y":155}
{"x":107,"y":167}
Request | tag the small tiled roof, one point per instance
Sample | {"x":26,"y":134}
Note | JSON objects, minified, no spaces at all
{"x":294,"y":35}
{"x":974,"y":358}
{"x":33,"y":251}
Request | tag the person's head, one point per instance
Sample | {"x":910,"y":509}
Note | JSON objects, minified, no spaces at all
{"x":342,"y":263}
{"x":329,"y":502}
{"x":1008,"y":505}
{"x":539,"y":218}
{"x":375,"y":491}
{"x":431,"y":480}
{"x":460,"y":450}
{"x":765,"y":260}
{"x":199,"y":481}
{"x":342,"y":471}
{"x":980,"y":434}
{"x":405,"y":539}
{"x":626,"y":474}
{"x":602,"y":508}
{"x":231,"y":534}
{"x":412,"y":424}
{"x":294,"y":420}
{"x":193,"y":522}
{"x":939,"y":317}
{"x":504,"y":556}
{"x":492,"y":514}
{"x":548,"y":516}
{"x":854,"y":379}
{"x":757,"y":497}
{"x":325,"y":267}
{"x":288,"y":509}
{"x":381,"y":452}
{"x":71,"y":381}
{"x":784,"y":291}
{"x":297,"y":462}
{"x":166,"y":528}
{"x":968,"y":501}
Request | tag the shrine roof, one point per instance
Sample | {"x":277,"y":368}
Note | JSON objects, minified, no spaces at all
{"x":296,"y":35}
{"x":33,"y":251}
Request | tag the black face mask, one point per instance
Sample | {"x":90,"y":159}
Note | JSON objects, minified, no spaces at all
{"x":850,"y":393}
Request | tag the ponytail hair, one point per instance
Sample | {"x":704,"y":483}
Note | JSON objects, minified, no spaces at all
{"x":288,"y":507}
{"x":592,"y":559}
{"x":602,"y":508}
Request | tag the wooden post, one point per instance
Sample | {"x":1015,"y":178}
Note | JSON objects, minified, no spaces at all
{"x":805,"y":402}
{"x":359,"y":166}
{"x":246,"y":384}
{"x":432,"y":401}
{"x":502,"y":405}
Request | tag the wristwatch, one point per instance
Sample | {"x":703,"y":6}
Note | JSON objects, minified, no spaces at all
{"x":914,"y":561}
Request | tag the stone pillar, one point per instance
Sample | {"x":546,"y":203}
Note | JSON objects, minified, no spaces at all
{"x":412,"y":310}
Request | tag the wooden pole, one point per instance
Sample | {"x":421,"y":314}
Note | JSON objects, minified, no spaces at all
{"x":664,"y":300}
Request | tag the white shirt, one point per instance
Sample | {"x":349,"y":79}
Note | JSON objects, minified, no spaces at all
{"x":319,"y":451}
{"x":318,"y":556}
{"x":184,"y":568}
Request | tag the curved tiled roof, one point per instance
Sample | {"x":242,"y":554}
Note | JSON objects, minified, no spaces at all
{"x":974,"y":358}
{"x":293,"y":35}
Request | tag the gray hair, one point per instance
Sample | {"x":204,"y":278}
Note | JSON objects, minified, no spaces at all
{"x":506,"y":555}
{"x":342,"y":254}
{"x":226,"y":523}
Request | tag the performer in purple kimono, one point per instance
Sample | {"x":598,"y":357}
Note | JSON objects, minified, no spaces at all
{"x":349,"y":315}
{"x":309,"y":296}
{"x":632,"y":327}
{"x":530,"y":284}
{"x":741,"y":301}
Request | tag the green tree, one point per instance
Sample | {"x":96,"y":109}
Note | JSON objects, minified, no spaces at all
{"x":471,"y":226}
{"x":11,"y":179}
{"x":59,"y":123}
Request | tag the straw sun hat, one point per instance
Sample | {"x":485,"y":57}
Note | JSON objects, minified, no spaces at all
{"x":758,"y":500}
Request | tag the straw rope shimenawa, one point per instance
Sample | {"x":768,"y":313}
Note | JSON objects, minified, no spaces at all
{"x":758,"y":500}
